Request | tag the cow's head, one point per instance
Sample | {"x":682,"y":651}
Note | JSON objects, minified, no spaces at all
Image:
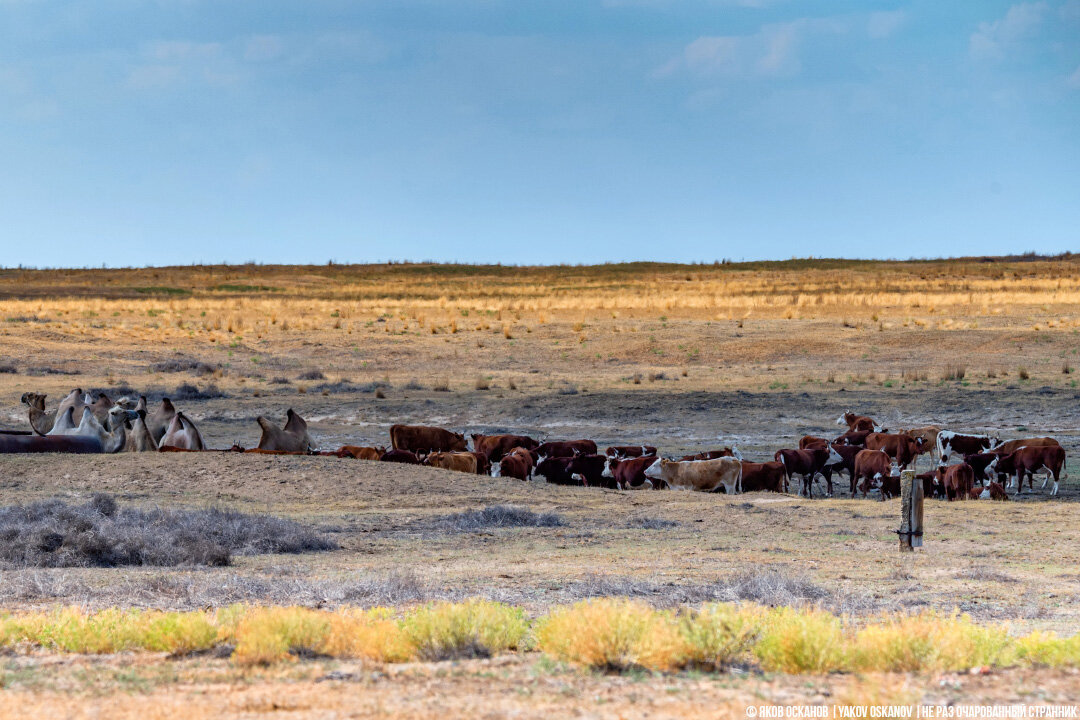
{"x":609,"y":468}
{"x":656,"y":470}
{"x":496,"y":468}
{"x":834,"y":457}
{"x":843,"y":419}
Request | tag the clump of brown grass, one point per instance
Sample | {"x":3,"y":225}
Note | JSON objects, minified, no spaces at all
{"x":506,"y":330}
{"x":1023,"y":373}
{"x":482,"y":383}
{"x":636,"y":379}
{"x":954,"y":372}
{"x":441,"y":384}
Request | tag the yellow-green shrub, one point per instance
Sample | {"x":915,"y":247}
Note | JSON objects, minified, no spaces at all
{"x":801,"y":641}
{"x":178,"y":633}
{"x":469,"y":629}
{"x":719,"y":633}
{"x":266,"y":635}
{"x":372,"y":635}
{"x":1049,"y":650}
{"x":613,"y":634}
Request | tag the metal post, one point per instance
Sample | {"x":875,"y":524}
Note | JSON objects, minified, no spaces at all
{"x":911,"y":512}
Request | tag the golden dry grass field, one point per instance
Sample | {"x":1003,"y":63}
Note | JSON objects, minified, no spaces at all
{"x":683,"y":357}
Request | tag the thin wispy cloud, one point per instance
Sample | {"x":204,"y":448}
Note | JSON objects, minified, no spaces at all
{"x":993,"y":39}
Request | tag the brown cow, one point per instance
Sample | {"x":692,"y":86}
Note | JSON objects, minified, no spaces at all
{"x":856,"y":438}
{"x":766,"y":476}
{"x":517,"y":463}
{"x":483,"y":463}
{"x":859,"y":423}
{"x":994,"y":491}
{"x":931,"y":485}
{"x":928,"y":434}
{"x":555,"y":471}
{"x":423,"y":439}
{"x":1030,"y":460}
{"x":807,"y":464}
{"x":713,"y":454}
{"x":565,"y":448}
{"x":459,"y":461}
{"x":902,"y":448}
{"x":1013,"y":445}
{"x":700,"y":475}
{"x":359,"y":452}
{"x":808,"y":441}
{"x":589,"y":469}
{"x":630,"y":451}
{"x":400,"y":456}
{"x":495,"y":446}
{"x":629,"y":473}
{"x":291,"y":438}
{"x":871,"y":467}
{"x":957,"y":480}
{"x":847,"y":454}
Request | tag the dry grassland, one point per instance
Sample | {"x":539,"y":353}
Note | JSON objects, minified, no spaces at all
{"x":684,"y":357}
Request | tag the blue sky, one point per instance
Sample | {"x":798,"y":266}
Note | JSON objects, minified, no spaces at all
{"x":136,"y":132}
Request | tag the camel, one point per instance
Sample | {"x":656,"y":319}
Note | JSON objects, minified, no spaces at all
{"x":140,"y":439}
{"x":100,"y":408}
{"x":111,"y":441}
{"x":73,"y":400}
{"x":65,"y":423}
{"x":158,"y":421}
{"x":182,"y":434}
{"x":137,"y":437}
{"x":40,"y":421}
{"x":292,"y":438}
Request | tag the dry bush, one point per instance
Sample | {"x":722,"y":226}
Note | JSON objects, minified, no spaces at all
{"x":482,"y":383}
{"x":1023,"y":374}
{"x":51,"y":533}
{"x":441,"y":384}
{"x":497,"y":516}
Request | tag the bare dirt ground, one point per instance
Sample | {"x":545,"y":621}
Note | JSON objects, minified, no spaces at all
{"x":683,"y":371}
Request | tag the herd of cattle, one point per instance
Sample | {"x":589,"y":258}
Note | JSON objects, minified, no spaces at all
{"x":968,"y":465}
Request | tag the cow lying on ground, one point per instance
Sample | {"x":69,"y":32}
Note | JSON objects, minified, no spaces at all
{"x":360,"y":453}
{"x":404,"y":457}
{"x":700,"y":475}
{"x":458,"y":461}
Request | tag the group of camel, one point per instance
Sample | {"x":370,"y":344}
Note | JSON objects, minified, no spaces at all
{"x":127,"y":425}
